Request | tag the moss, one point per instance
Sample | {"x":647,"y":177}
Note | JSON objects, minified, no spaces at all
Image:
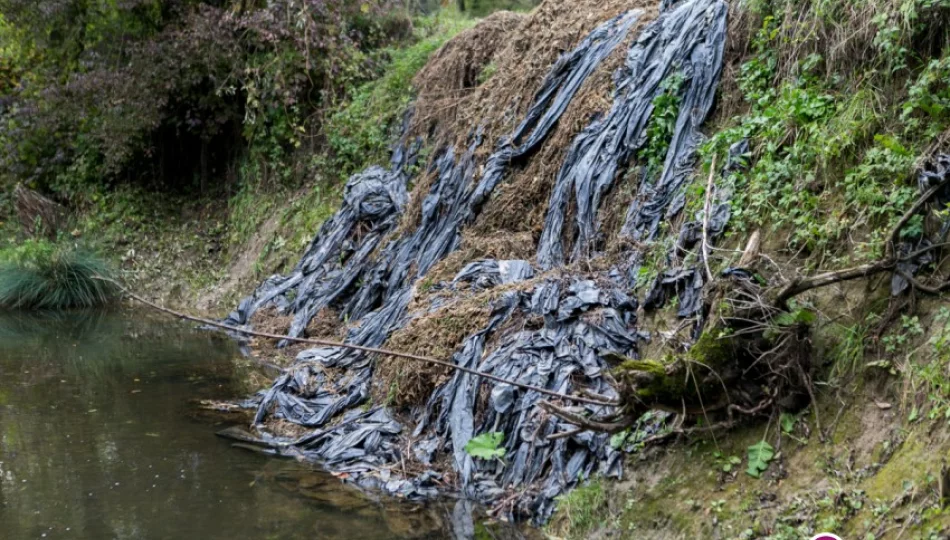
{"x":712,"y":351}
{"x":912,"y":462}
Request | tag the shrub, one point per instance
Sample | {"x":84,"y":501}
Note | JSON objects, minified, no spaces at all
{"x":39,"y":274}
{"x":361,"y":131}
{"x":141,"y":90}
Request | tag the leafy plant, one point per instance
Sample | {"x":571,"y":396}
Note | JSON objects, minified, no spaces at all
{"x":486,"y":446}
{"x":760,"y":455}
{"x":788,"y":422}
{"x":726,"y":463}
{"x":662,"y":124}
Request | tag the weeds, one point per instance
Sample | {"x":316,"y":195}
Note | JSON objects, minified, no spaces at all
{"x":847,"y":353}
{"x":933,"y":374}
{"x":583,"y":510}
{"x":662,"y":124}
{"x":360,"y":133}
{"x":833,"y":151}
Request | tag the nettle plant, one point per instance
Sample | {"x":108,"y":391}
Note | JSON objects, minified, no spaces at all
{"x":834,"y":139}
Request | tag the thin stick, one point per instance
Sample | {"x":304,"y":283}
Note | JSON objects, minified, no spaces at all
{"x":373,"y":350}
{"x":891,"y":259}
{"x":707,"y":210}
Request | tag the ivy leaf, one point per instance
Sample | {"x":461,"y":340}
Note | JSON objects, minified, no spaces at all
{"x":486,"y":446}
{"x":760,"y":454}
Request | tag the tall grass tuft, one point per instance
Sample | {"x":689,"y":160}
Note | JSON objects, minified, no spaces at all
{"x":39,"y":274}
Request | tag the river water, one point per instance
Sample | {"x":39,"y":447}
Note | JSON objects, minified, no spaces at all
{"x":101,"y":436}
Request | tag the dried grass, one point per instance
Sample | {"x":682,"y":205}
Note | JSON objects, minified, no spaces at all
{"x":553,"y":28}
{"x":438,"y":334}
{"x":504,"y":245}
{"x":326,"y":325}
{"x":454,"y":70}
{"x":269,"y":321}
{"x":520,"y":204}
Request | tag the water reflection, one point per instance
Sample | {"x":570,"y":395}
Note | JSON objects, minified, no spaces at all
{"x":99,"y":439}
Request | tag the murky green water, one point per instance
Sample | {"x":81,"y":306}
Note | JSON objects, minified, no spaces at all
{"x":101,"y":437}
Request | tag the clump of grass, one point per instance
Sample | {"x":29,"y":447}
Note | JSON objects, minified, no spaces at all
{"x":580,"y":512}
{"x":39,"y":274}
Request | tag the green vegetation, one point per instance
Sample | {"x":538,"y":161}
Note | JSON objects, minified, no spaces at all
{"x":38,"y":274}
{"x":759,"y":455}
{"x":666,"y":107}
{"x":581,"y":511}
{"x":835,"y":139}
{"x":840,"y":103}
{"x":486,"y":446}
{"x":361,"y":132}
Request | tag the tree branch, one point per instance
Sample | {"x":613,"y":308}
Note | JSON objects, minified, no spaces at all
{"x":373,"y":350}
{"x":706,"y":211}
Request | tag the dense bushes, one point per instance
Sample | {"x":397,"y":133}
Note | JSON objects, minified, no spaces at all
{"x":166,"y":91}
{"x":38,"y":274}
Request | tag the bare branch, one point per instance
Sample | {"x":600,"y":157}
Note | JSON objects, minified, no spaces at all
{"x":707,"y":210}
{"x":372,"y":350}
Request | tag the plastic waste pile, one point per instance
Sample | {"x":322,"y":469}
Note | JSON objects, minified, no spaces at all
{"x":360,"y":266}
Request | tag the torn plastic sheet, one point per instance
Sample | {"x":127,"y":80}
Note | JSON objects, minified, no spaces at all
{"x":372,"y":199}
{"x":579,"y":319}
{"x":488,"y":273}
{"x":361,"y":286}
{"x":685,"y":284}
{"x":376,"y":294}
{"x":336,"y":269}
{"x":688,"y":39}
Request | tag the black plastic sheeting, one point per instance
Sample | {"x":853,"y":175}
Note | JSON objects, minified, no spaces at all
{"x":549,"y":336}
{"x":687,"y":39}
{"x":579,"y":318}
{"x":374,"y":200}
{"x":933,"y":174}
{"x":487,"y":273}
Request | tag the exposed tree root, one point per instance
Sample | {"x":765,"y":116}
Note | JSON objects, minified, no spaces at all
{"x":752,"y":353}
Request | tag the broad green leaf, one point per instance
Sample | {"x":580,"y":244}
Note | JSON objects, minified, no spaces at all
{"x":788,"y":422}
{"x":760,"y":454}
{"x":486,"y":446}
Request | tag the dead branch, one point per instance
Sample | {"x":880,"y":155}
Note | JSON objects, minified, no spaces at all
{"x":588,"y":424}
{"x":372,"y":350}
{"x":799,"y":286}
